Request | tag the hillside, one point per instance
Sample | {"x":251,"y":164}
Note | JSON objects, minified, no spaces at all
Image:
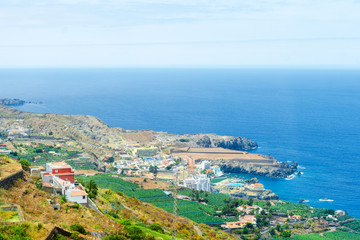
{"x":120,"y":215}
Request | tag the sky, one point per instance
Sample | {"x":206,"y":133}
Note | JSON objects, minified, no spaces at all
{"x":180,"y":33}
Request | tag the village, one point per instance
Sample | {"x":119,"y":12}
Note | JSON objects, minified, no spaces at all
{"x":59,"y":163}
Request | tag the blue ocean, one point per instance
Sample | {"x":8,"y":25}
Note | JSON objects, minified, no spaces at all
{"x":308,"y":116}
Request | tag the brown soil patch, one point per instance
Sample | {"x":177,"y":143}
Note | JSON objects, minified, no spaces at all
{"x":8,"y":167}
{"x":220,"y":153}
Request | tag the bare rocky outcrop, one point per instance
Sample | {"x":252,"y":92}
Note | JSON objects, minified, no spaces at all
{"x":228,"y":142}
{"x":276,"y":169}
{"x":205,"y":140}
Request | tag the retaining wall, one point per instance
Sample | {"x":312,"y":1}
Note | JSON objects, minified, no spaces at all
{"x":9,"y":181}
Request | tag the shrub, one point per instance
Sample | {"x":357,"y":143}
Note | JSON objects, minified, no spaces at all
{"x":78,"y":228}
{"x":134,"y":232}
{"x":39,"y":226}
{"x":114,"y":237}
{"x":75,"y":236}
{"x":25,"y":164}
{"x":63,"y":199}
{"x":125,"y":222}
{"x":156,"y":227}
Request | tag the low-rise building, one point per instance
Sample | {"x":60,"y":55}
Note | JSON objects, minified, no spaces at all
{"x":295,"y":217}
{"x":247,"y":219}
{"x":59,"y":178}
{"x":61,"y":170}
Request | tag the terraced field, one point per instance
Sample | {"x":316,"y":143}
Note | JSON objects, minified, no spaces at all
{"x":190,"y":209}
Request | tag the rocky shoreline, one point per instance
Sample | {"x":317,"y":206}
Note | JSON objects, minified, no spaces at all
{"x":14,"y":102}
{"x":275,"y":170}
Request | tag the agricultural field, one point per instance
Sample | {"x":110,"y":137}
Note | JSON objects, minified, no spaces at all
{"x":291,"y":208}
{"x":107,"y":182}
{"x":39,"y":153}
{"x":190,"y":209}
{"x":337,"y":235}
{"x":214,"y":199}
{"x":322,"y":212}
{"x":353,"y":226}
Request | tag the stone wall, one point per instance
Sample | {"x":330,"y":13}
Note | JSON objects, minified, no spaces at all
{"x":57,"y":231}
{"x":9,"y":181}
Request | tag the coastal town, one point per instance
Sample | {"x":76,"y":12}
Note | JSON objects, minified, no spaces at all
{"x":175,"y":172}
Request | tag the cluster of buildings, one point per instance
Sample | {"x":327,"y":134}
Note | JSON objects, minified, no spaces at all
{"x":243,"y":221}
{"x":206,"y":166}
{"x":59,"y":177}
{"x":142,"y":164}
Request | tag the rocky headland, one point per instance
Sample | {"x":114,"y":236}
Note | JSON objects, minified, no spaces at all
{"x":12,"y":102}
{"x":272,"y":169}
{"x":15,"y":102}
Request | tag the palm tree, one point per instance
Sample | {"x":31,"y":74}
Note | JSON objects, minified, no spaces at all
{"x":92,"y":187}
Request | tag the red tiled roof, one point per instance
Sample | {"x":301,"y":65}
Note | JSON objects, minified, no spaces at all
{"x":46,"y":184}
{"x":78,"y":193}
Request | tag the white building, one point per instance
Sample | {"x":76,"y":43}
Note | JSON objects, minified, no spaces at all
{"x":76,"y":194}
{"x":205,"y":165}
{"x":217,"y":171}
{"x":198,"y":182}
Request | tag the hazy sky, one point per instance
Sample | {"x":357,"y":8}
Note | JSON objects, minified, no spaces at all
{"x":110,"y":33}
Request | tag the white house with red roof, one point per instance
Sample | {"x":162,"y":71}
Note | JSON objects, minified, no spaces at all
{"x":59,"y":177}
{"x":61,"y":170}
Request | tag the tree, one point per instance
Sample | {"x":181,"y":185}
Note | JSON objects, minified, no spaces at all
{"x":110,"y":160}
{"x":272,"y":231}
{"x":92,"y":189}
{"x":153,"y":169}
{"x":77,"y":227}
{"x":249,"y":225}
{"x":278,"y":227}
{"x":286,"y":234}
{"x":14,"y":153}
{"x":25,"y":164}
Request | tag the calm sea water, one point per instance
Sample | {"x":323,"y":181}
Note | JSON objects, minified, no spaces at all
{"x":308,"y":116}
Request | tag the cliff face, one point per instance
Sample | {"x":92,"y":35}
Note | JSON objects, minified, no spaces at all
{"x":278,"y":169}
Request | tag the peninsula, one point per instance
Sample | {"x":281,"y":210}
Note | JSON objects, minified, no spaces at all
{"x":99,"y":141}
